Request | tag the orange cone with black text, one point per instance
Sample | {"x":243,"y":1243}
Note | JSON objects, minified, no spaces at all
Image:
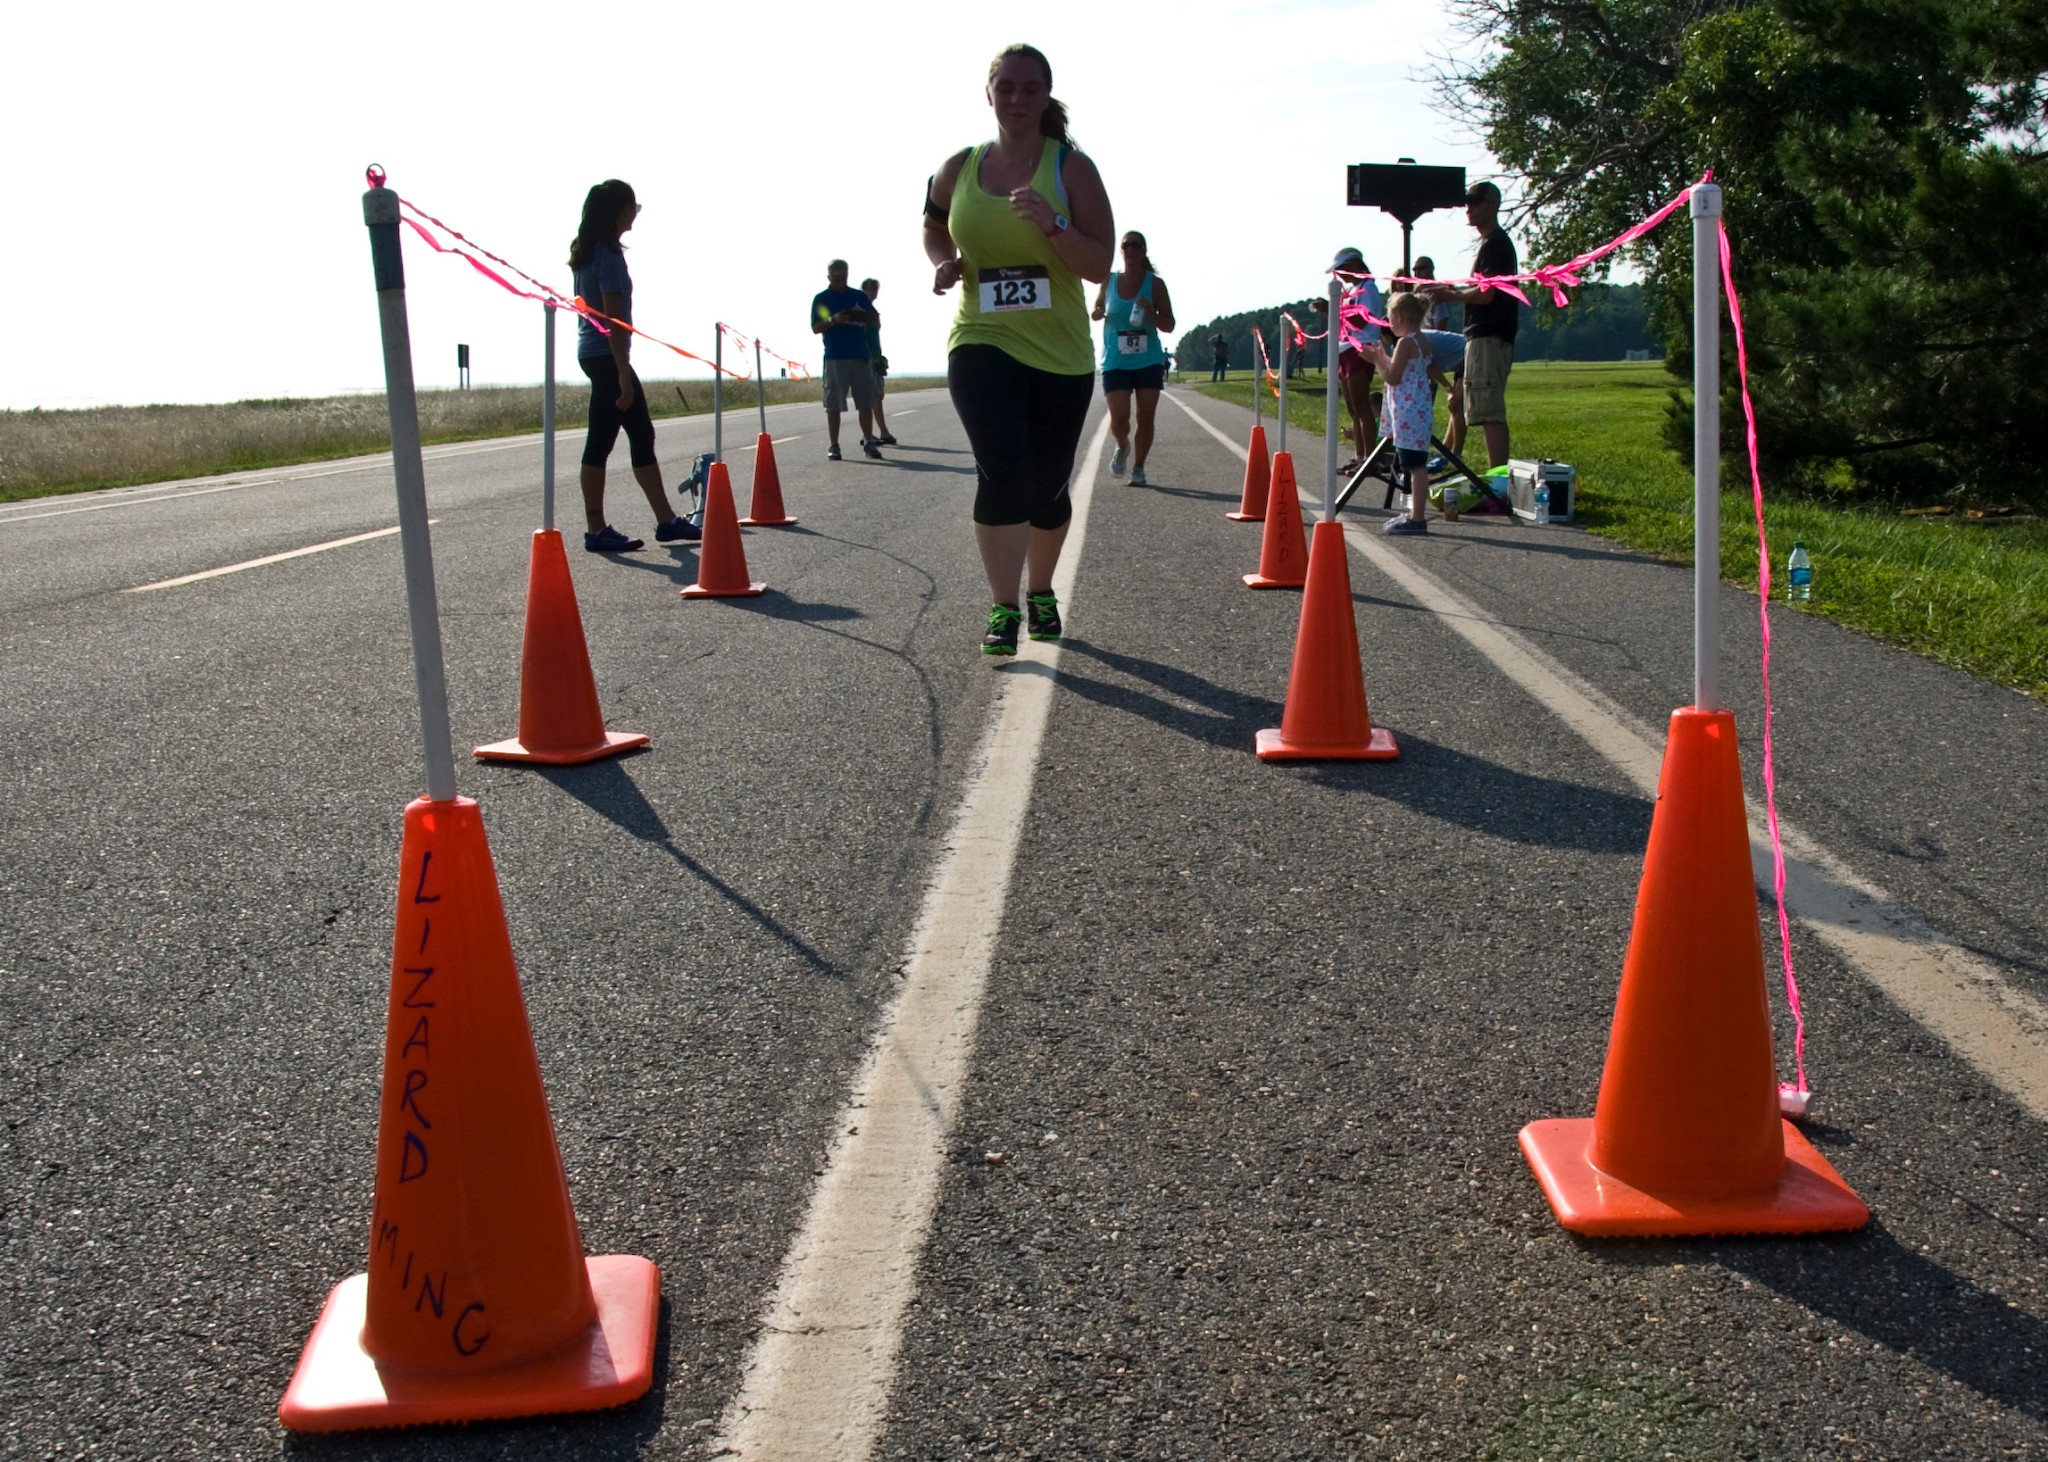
{"x":721,"y":557}
{"x":1258,"y":473}
{"x":765,"y":510}
{"x":479,"y":1301}
{"x":559,"y":721}
{"x":1686,"y":1137}
{"x":1283,"y":548}
{"x":1325,"y":718}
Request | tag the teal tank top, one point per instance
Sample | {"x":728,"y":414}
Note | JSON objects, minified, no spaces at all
{"x":1123,"y":347}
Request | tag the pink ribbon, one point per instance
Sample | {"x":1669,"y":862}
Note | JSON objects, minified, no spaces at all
{"x":1763,"y":614}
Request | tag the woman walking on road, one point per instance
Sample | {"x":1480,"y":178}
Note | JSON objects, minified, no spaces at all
{"x":1020,"y":222}
{"x":616,"y":399}
{"x":1134,"y":307}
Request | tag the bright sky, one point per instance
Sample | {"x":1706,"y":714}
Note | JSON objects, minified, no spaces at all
{"x":187,"y":224}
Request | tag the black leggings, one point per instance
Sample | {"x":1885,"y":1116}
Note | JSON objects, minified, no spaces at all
{"x":1024,"y":425}
{"x":606,"y":418}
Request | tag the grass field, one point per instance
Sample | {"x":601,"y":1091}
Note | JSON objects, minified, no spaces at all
{"x":45,"y":452}
{"x":1971,"y":594}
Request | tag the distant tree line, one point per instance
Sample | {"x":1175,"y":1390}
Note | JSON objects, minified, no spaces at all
{"x":1603,"y":322}
{"x":1885,"y":193}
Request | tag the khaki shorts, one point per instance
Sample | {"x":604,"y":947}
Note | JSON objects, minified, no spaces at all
{"x":1487,"y":363}
{"x":844,"y":376}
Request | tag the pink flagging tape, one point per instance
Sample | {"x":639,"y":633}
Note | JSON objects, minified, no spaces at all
{"x":1763,"y":601}
{"x":548,"y":295}
{"x":799,"y":371}
{"x":1265,"y":364}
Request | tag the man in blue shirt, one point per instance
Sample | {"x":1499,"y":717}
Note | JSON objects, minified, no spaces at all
{"x":842,"y":316}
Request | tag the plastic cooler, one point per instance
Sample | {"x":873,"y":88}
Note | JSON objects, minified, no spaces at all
{"x":1562,"y":477}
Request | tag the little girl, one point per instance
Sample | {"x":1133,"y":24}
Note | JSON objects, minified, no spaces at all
{"x":1406,"y":371}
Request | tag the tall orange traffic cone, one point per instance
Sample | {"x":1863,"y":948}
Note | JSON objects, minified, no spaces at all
{"x":1325,"y":718}
{"x":1283,"y":549}
{"x":1251,"y":507}
{"x":559,"y":722}
{"x":1686,"y":1137}
{"x":721,"y":558}
{"x":479,"y":1301}
{"x":765,"y":511}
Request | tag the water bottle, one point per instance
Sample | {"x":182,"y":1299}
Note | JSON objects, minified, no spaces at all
{"x":1799,"y":571}
{"x":1542,"y":501}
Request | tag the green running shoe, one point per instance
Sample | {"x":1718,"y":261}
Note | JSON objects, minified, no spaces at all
{"x":1003,"y":621}
{"x":1043,"y":610}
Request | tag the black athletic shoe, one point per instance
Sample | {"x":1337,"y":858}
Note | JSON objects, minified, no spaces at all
{"x":886,"y":441}
{"x":872,"y":448}
{"x":832,"y":453}
{"x":1001,"y":639}
{"x":1405,"y":524}
{"x":1043,"y":612}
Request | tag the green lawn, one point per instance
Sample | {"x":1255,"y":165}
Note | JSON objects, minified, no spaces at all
{"x":1970,"y":594}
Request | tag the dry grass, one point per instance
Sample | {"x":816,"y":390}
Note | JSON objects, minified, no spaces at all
{"x":45,"y":452}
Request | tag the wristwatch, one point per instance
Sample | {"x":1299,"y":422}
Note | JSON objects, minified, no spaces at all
{"x":1059,"y":225}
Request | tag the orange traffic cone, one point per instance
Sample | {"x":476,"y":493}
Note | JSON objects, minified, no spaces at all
{"x":1283,"y":549}
{"x":1257,"y":477}
{"x":766,"y":509}
{"x":1686,"y":1137}
{"x":479,"y":1301}
{"x":559,"y":722}
{"x":721,"y":558}
{"x":1325,"y":718}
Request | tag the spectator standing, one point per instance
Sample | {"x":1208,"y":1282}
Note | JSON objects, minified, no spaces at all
{"x":1491,"y":320}
{"x":841,"y":314}
{"x":1354,"y":367}
{"x":878,"y":363}
{"x":1019,"y":222}
{"x":1406,"y":369}
{"x":1219,"y":355}
{"x":598,"y":261}
{"x":1134,"y":307}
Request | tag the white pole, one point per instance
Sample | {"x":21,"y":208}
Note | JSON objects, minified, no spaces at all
{"x":760,"y":389}
{"x":380,"y":213}
{"x":547,"y":426}
{"x":1330,"y":403}
{"x":1706,"y":446}
{"x":718,"y":398}
{"x":1283,"y":387}
{"x":1258,"y":395}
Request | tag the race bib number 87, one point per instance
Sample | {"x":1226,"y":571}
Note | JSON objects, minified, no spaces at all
{"x":1028,"y":287}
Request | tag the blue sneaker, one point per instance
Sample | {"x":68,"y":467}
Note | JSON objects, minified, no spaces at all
{"x":610,"y":540}
{"x":678,"y":529}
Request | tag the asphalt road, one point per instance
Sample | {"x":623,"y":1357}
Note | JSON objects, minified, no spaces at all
{"x":1257,"y":1041}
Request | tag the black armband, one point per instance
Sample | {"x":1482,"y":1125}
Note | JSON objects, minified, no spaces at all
{"x":931,"y":209}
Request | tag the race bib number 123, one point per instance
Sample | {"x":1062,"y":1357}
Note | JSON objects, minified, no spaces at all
{"x":1027,"y":287}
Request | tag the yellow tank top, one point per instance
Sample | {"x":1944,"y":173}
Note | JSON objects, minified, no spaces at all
{"x":1015,"y":292}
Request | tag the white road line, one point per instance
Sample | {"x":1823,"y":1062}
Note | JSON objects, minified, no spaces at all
{"x":817,"y":1381}
{"x":257,"y":563}
{"x":772,"y":441}
{"x":1995,"y":1026}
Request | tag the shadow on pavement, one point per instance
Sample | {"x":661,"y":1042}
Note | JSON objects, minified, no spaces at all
{"x":605,"y":789}
{"x":1216,"y":714}
{"x":1457,"y":787}
{"x":1883,"y":1290}
{"x":905,"y":464}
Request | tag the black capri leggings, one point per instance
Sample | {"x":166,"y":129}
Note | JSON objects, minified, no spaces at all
{"x":1024,"y":425}
{"x":606,"y":418}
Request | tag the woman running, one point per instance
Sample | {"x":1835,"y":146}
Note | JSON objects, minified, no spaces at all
{"x":1133,"y":307}
{"x":616,"y":399}
{"x":1020,"y":222}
